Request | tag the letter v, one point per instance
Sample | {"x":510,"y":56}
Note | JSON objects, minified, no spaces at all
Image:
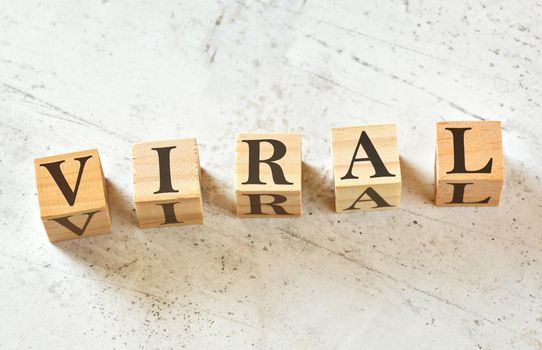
{"x":65,"y":221}
{"x":60,"y":179}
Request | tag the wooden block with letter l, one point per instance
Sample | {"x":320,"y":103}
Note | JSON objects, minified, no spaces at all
{"x":268,"y":175}
{"x":72,"y":194}
{"x":469,"y":169}
{"x":366,"y":168}
{"x":167,"y":187}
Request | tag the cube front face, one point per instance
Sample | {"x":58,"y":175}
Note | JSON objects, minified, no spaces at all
{"x":167,"y":188}
{"x":72,"y":193}
{"x":469,"y":169}
{"x":366,"y":168}
{"x":268,"y":175}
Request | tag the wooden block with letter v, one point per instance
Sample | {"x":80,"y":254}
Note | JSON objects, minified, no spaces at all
{"x":366,"y":168}
{"x":469,"y":168}
{"x":167,"y":187}
{"x":72,"y":194}
{"x":268,"y":175}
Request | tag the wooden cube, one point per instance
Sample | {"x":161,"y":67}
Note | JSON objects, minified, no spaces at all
{"x":366,"y":168}
{"x":268,"y":175}
{"x":167,"y":187}
{"x":469,"y":167}
{"x":72,"y":194}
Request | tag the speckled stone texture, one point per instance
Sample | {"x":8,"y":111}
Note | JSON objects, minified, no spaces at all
{"x":108,"y":74}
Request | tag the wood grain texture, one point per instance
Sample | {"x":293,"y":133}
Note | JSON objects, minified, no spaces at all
{"x":350,"y":190}
{"x":482,"y":143}
{"x":267,"y":186}
{"x":91,"y":195}
{"x":184,"y":178}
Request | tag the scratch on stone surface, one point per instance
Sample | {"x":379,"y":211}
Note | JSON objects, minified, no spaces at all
{"x":85,"y":277}
{"x":467,"y":229}
{"x":333,"y":82}
{"x":212,"y":58}
{"x":217,"y":23}
{"x":11,"y":127}
{"x":420,"y":88}
{"x":377,"y":69}
{"x":24,"y":66}
{"x":435,"y":220}
{"x":233,"y":320}
{"x":72,"y":117}
{"x":63,"y":119}
{"x":390,"y":277}
{"x":406,"y":3}
{"x":126,"y":265}
{"x":395,"y":45}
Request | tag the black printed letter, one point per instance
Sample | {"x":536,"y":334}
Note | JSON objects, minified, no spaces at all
{"x":372,"y":156}
{"x":459,"y":194}
{"x":56,"y":173}
{"x":165,"y":169}
{"x":459,"y":154}
{"x":256,"y":204}
{"x":169,"y":213}
{"x":65,"y":221}
{"x":374,"y":197}
{"x":279,"y":150}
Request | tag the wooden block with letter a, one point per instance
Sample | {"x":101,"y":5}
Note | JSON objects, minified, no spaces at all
{"x":268,"y":175}
{"x":366,"y":168}
{"x":167,"y":187}
{"x":72,"y":194}
{"x":469,"y":168}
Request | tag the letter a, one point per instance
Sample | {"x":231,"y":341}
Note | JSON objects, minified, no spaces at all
{"x":372,"y":156}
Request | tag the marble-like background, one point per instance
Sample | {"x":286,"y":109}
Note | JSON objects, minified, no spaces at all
{"x":106,"y":74}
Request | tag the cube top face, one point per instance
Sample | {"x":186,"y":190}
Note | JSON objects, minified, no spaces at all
{"x":480,"y":142}
{"x":70,"y":183}
{"x":166,"y":170}
{"x":275,"y":161}
{"x":345,"y":142}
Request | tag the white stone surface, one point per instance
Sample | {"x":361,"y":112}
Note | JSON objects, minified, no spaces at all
{"x":106,"y":74}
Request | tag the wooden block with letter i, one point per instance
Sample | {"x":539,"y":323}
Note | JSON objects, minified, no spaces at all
{"x":469,"y":168}
{"x":268,"y":175}
{"x":366,"y":168}
{"x":167,"y":187}
{"x":72,"y":194}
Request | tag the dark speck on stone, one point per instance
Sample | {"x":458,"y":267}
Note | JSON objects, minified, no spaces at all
{"x":415,"y":222}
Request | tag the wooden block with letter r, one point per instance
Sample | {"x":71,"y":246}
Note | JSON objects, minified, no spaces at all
{"x":268,"y":175}
{"x":72,"y":194}
{"x":366,"y":168}
{"x":469,"y":168}
{"x":167,"y":187}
